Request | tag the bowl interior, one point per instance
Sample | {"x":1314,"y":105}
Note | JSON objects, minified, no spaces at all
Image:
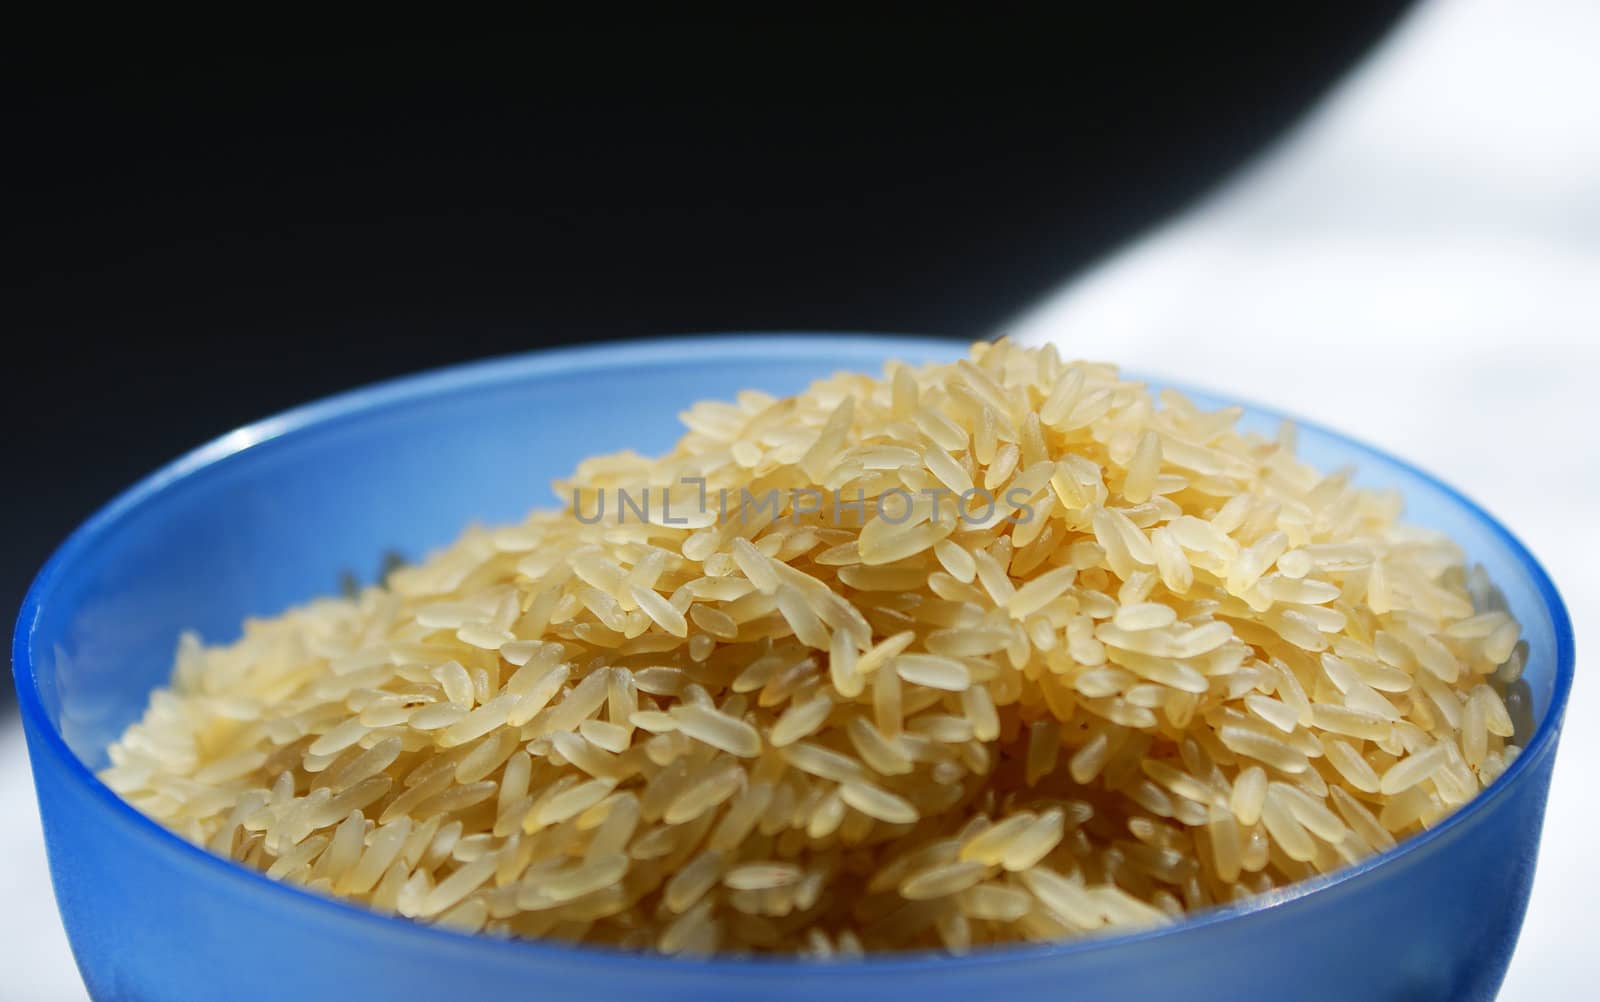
{"x":279,"y":512}
{"x":276,"y":513}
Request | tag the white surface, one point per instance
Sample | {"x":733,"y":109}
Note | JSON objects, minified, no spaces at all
{"x":1443,"y":210}
{"x":1441,"y":213}
{"x":35,"y":964}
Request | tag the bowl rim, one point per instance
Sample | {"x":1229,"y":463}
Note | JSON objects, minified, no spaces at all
{"x":847,"y":349}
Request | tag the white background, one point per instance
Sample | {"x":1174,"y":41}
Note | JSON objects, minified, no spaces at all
{"x":1419,"y":265}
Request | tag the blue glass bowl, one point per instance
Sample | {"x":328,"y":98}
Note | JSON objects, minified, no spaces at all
{"x":270,"y":515}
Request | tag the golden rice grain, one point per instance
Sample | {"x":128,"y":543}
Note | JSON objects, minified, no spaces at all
{"x":1006,"y":649}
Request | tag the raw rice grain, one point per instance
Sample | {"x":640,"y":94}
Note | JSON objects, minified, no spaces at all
{"x":1118,"y":661}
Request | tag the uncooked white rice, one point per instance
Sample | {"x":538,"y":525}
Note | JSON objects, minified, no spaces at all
{"x":1116,"y":662}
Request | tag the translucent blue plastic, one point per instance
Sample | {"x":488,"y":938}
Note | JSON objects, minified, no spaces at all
{"x":272,"y":514}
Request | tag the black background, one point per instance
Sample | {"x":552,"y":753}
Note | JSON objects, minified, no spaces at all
{"x":199,"y":232}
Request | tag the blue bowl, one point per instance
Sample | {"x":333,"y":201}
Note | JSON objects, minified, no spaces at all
{"x":270,"y":515}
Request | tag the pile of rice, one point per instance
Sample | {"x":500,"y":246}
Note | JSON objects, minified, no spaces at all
{"x":1165,"y":666}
